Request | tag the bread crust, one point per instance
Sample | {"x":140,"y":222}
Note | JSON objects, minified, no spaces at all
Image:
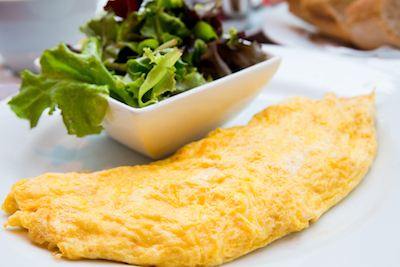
{"x":361,"y":22}
{"x":323,"y":15}
{"x":367,"y":26}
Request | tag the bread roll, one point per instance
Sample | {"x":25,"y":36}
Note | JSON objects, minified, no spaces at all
{"x":373,"y":23}
{"x":367,"y":24}
{"x":326,"y":15}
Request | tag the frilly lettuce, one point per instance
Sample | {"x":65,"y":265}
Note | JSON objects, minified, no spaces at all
{"x":138,"y":57}
{"x":78,"y":84}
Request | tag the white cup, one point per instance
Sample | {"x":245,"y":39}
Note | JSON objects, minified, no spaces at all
{"x":27,"y":28}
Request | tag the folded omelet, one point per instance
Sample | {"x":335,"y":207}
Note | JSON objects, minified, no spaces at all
{"x":215,"y":200}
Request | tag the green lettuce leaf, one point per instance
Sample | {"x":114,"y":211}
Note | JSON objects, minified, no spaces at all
{"x":233,"y":37}
{"x":83,"y":105}
{"x":161,"y":78}
{"x":181,"y":69}
{"x":204,"y":31}
{"x":104,"y":28}
{"x":138,"y":66}
{"x":163,"y":27}
{"x":76,"y":83}
{"x":189,"y":81}
{"x":150,"y":43}
{"x":130,"y":27}
{"x":171,"y":3}
{"x":158,"y":75}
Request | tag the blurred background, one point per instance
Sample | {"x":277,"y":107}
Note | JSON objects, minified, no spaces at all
{"x":27,"y":28}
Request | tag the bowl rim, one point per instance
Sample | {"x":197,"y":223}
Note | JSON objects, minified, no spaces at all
{"x":272,"y":58}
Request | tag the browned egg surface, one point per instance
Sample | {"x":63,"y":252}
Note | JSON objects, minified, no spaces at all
{"x":215,"y":200}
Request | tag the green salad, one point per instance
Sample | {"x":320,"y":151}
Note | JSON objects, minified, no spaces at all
{"x":137,"y":53}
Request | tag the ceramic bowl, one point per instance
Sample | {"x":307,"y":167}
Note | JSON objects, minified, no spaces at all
{"x":160,"y":129}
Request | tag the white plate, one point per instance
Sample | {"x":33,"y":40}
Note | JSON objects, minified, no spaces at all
{"x":362,"y":230}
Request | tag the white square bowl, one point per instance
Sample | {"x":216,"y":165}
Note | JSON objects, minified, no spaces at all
{"x":160,"y":129}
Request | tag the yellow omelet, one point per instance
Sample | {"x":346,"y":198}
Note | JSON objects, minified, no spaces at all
{"x":215,"y":200}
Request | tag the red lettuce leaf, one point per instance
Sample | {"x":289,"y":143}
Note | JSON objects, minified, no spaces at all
{"x":123,"y":8}
{"x":222,"y":58}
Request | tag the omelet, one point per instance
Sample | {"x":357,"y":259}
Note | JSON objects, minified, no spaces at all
{"x":216,"y":199}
